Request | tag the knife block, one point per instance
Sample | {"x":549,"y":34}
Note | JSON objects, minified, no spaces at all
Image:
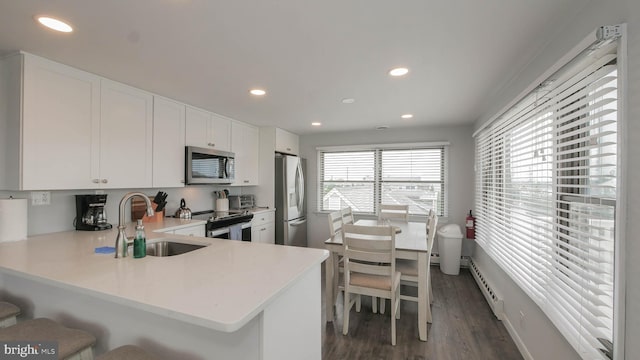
{"x":139,"y":211}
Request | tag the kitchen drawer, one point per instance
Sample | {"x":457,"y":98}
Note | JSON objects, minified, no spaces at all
{"x":263,"y":217}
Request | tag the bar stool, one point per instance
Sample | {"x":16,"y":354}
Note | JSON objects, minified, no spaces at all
{"x":73,"y":344}
{"x":129,"y":352}
{"x":8,"y":314}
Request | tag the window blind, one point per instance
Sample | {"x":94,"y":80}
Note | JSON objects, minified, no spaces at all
{"x":546,"y":197}
{"x":362,"y":178}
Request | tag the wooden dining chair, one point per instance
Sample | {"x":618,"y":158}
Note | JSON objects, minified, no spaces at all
{"x":336,"y":222}
{"x":393,"y":212}
{"x":347,"y":216}
{"x":409,"y":268}
{"x":370,"y":269}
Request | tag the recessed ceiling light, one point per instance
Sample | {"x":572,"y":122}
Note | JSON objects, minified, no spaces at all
{"x":316,"y":123}
{"x":407,"y":116}
{"x":54,"y":24}
{"x":398,"y":71}
{"x":257,"y":92}
{"x":348,"y":100}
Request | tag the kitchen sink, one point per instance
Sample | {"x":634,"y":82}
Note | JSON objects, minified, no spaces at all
{"x":166,"y":247}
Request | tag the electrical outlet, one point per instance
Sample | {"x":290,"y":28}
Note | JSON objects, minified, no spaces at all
{"x":40,"y":198}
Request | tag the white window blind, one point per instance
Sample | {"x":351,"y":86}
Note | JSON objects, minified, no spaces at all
{"x":546,"y":197}
{"x":363,"y":178}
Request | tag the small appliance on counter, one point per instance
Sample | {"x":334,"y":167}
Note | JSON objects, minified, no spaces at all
{"x":90,"y":212}
{"x":183,"y":212}
{"x":239,"y":202}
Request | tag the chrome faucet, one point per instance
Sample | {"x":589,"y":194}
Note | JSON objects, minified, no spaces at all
{"x":121,"y":241}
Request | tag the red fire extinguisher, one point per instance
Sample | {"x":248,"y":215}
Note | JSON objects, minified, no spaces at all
{"x":471,"y":226}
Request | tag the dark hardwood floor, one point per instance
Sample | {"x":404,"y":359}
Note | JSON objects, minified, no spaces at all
{"x":463,"y":327}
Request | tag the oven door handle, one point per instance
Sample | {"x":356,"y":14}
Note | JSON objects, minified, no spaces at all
{"x":218,"y":231}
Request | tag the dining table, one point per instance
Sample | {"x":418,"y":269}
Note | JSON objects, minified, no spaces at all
{"x":411,"y":244}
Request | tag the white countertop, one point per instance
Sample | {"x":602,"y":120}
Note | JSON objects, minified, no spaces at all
{"x":222,"y":286}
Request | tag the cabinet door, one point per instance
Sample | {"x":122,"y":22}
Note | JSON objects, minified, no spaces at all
{"x":264,"y":233}
{"x":197,"y":128}
{"x":60,"y":126}
{"x":126,"y":125}
{"x":220,"y":130}
{"x":168,"y":143}
{"x":287,"y":142}
{"x":245,"y":144}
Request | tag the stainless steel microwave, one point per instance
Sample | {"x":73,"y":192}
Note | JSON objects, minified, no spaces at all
{"x":208,"y":166}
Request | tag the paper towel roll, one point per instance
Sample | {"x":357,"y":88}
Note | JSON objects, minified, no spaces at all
{"x":13,"y":219}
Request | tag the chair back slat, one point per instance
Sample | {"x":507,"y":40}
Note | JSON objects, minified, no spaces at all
{"x":335,"y":223}
{"x":393,"y":211}
{"x":347,"y":215}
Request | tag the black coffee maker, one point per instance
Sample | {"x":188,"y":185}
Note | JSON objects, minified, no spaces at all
{"x":90,"y":212}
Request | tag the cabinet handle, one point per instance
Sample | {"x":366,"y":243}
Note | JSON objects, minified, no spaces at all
{"x":95,"y":181}
{"x":182,"y":181}
{"x":104,"y":181}
{"x":211,"y":144}
{"x":288,"y":149}
{"x":246,"y":181}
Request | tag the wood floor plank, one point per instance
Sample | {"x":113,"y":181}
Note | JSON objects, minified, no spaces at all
{"x":464,"y":328}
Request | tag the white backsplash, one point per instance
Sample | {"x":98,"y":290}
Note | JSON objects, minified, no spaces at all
{"x":59,"y":215}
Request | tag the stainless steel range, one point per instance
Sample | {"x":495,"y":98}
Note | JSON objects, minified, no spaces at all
{"x":233,"y":224}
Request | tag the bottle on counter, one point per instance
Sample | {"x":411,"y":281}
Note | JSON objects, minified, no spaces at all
{"x":140,"y":241}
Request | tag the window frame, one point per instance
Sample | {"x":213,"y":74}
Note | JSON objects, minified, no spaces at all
{"x":378,"y":182}
{"x":485,"y":164}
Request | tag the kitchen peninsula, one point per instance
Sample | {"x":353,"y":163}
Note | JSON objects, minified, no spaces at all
{"x":228,"y":300}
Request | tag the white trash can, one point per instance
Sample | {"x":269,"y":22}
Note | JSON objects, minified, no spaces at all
{"x":450,"y":247}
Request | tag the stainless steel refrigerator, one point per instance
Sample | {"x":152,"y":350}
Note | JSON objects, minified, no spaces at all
{"x":291,"y":213}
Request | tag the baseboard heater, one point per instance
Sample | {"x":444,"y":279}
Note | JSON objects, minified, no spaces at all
{"x":495,"y":302}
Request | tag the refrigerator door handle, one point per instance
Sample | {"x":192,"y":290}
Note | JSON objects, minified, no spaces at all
{"x":298,"y":222}
{"x":300,"y":186}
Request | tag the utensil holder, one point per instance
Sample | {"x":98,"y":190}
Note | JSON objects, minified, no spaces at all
{"x":222,"y":204}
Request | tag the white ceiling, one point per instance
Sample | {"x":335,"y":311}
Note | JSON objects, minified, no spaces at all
{"x":307,"y":54}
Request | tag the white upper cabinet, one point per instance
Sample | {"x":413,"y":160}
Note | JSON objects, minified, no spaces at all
{"x":245,"y":141}
{"x":63,"y":128}
{"x":168,"y":143}
{"x":126,"y":136}
{"x":68,"y":129}
{"x":207,"y":130}
{"x":51,"y":140}
{"x":287,"y":142}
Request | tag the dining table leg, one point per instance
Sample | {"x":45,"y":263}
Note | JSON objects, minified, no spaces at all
{"x":423,"y":300}
{"x":330,"y":297}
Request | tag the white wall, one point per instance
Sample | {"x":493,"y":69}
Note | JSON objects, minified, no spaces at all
{"x":460,"y":180}
{"x":60,"y":214}
{"x":540,"y":337}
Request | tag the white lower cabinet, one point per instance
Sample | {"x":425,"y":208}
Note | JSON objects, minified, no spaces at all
{"x":263,"y":227}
